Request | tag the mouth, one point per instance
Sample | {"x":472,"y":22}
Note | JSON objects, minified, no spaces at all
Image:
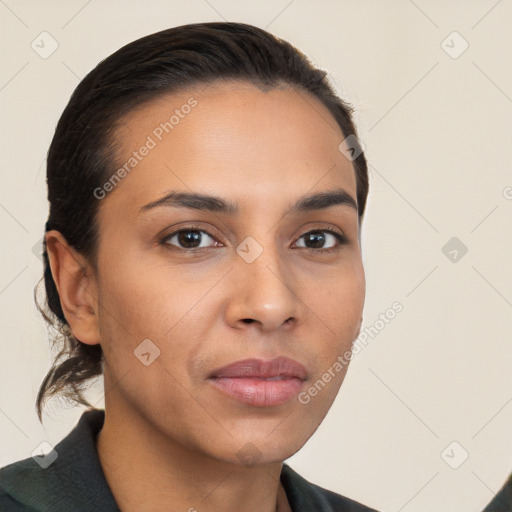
{"x":260,"y":382}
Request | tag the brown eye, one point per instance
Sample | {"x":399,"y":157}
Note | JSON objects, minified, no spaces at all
{"x":189,"y":239}
{"x":318,"y":238}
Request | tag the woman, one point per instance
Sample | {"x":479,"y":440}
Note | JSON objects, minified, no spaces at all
{"x":202,"y":253}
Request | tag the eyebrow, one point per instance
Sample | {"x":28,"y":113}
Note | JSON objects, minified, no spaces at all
{"x":317,"y":201}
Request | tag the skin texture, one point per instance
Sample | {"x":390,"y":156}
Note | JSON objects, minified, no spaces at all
{"x":171,"y":441}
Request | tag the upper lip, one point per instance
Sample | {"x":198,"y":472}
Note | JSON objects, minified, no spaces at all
{"x":261,"y":368}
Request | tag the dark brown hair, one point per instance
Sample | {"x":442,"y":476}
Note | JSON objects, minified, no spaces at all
{"x":82,"y":153}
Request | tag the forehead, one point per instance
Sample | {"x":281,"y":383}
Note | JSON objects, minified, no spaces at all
{"x":229,"y":139}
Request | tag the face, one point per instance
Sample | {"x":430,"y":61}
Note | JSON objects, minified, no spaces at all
{"x":190,"y":285}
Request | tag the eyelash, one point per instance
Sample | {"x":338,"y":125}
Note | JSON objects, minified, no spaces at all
{"x":342,"y":239}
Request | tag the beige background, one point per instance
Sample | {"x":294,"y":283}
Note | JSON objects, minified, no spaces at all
{"x":437,"y":131}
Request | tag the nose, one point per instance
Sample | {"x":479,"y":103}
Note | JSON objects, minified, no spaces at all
{"x":264,"y":293}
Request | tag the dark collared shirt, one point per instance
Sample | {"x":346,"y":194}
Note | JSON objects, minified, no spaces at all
{"x":75,"y":482}
{"x":502,"y":502}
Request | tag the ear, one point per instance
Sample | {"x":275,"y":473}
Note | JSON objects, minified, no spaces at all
{"x":76,"y":284}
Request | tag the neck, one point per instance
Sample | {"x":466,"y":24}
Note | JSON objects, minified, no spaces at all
{"x":146,"y":470}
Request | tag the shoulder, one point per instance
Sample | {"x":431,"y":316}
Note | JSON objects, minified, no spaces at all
{"x":69,"y":477}
{"x":305,"y":496}
{"x":31,"y":485}
{"x":502,"y":502}
{"x":21,"y":486}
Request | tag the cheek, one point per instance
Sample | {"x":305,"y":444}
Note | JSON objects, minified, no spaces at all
{"x":144,"y":340}
{"x":147,"y":299}
{"x":340,"y":308}
{"x":156,"y":302}
{"x":339,"y":303}
{"x":133,"y":308}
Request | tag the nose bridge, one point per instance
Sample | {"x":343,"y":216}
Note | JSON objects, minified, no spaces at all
{"x":263,"y":264}
{"x":265,"y":292}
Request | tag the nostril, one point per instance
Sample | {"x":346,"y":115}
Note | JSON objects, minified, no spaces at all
{"x":247,"y":320}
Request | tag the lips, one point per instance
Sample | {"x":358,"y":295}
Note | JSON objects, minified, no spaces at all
{"x":276,"y":369}
{"x":260,"y":383}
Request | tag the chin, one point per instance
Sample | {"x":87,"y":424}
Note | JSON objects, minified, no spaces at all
{"x":263,"y":449}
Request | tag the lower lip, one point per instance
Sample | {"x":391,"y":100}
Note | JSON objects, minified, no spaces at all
{"x":258,"y":392}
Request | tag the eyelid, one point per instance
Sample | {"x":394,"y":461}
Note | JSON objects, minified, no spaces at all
{"x":325,"y":227}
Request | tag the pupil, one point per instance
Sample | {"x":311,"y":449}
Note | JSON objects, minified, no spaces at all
{"x":188,"y":237}
{"x":318,"y":238}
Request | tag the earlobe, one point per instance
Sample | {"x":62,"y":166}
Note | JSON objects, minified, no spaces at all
{"x":77,"y":289}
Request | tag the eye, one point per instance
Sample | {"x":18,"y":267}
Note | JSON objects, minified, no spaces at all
{"x":192,"y":238}
{"x":189,"y":238}
{"x":319,"y":237}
